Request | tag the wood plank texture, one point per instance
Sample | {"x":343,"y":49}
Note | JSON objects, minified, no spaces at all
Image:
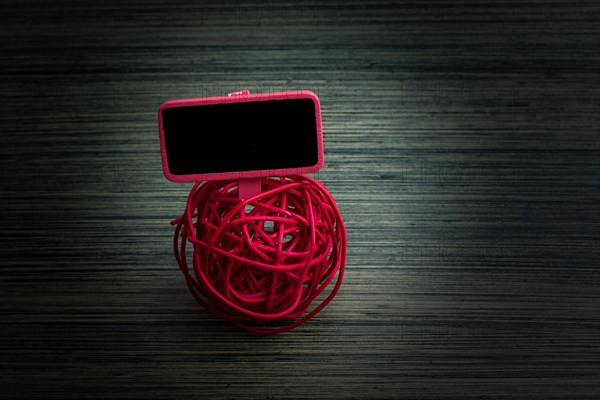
{"x":462,"y":144}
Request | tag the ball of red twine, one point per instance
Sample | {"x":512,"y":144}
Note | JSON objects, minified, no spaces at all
{"x":263,"y":259}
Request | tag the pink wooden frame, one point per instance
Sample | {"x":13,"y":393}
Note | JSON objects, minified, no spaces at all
{"x":242,"y":97}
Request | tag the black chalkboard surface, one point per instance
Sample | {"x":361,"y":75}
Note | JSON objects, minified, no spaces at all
{"x":278,"y":135}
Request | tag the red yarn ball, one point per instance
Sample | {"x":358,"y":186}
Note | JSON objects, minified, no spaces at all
{"x":265,"y":258}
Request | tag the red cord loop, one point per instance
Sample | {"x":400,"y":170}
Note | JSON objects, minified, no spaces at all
{"x":265,"y":258}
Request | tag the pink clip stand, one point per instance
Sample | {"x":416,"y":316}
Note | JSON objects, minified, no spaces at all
{"x":267,"y":240}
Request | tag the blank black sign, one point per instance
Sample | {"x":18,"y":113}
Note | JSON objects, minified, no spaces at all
{"x":241,"y":136}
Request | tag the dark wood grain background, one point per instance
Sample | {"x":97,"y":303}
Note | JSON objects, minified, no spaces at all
{"x":462,"y":145}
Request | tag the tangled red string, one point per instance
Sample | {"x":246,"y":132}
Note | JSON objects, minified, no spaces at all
{"x":265,"y":258}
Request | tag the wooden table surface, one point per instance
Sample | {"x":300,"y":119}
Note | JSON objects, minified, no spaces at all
{"x":462,"y":145}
